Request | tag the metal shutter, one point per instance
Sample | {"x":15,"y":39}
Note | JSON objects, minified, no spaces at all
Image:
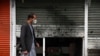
{"x":67,"y":14}
{"x":4,"y":27}
{"x":94,"y":29}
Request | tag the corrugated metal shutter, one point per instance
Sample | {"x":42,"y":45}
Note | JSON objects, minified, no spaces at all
{"x":94,"y":20}
{"x":68,"y":13}
{"x":94,"y":52}
{"x":4,"y":27}
{"x":94,"y":28}
{"x":56,"y":13}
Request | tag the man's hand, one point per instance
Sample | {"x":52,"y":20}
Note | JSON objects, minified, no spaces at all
{"x":25,"y":52}
{"x":37,"y":44}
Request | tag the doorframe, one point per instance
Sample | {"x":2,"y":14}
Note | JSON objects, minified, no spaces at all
{"x":85,"y":39}
{"x":12,"y":28}
{"x":43,"y":46}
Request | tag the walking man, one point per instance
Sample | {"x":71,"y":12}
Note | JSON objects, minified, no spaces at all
{"x":27,"y":36}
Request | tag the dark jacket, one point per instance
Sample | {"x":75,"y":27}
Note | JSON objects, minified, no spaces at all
{"x":26,"y":37}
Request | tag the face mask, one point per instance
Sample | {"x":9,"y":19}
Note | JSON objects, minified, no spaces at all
{"x":35,"y":21}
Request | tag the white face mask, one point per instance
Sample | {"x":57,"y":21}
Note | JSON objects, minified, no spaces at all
{"x":35,"y":21}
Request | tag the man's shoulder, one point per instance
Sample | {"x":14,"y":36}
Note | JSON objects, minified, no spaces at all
{"x":25,"y":25}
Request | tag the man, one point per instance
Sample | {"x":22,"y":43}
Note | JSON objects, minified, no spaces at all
{"x":27,"y":36}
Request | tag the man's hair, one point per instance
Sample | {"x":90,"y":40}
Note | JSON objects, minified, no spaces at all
{"x":30,"y":16}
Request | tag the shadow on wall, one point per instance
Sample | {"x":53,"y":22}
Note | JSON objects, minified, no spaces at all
{"x":58,"y":18}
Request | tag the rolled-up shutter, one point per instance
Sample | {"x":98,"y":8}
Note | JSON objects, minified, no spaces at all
{"x":67,"y":14}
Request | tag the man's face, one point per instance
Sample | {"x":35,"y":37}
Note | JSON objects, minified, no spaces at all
{"x":33,"y":19}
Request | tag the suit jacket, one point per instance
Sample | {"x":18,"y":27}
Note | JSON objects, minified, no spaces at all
{"x":26,"y":37}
